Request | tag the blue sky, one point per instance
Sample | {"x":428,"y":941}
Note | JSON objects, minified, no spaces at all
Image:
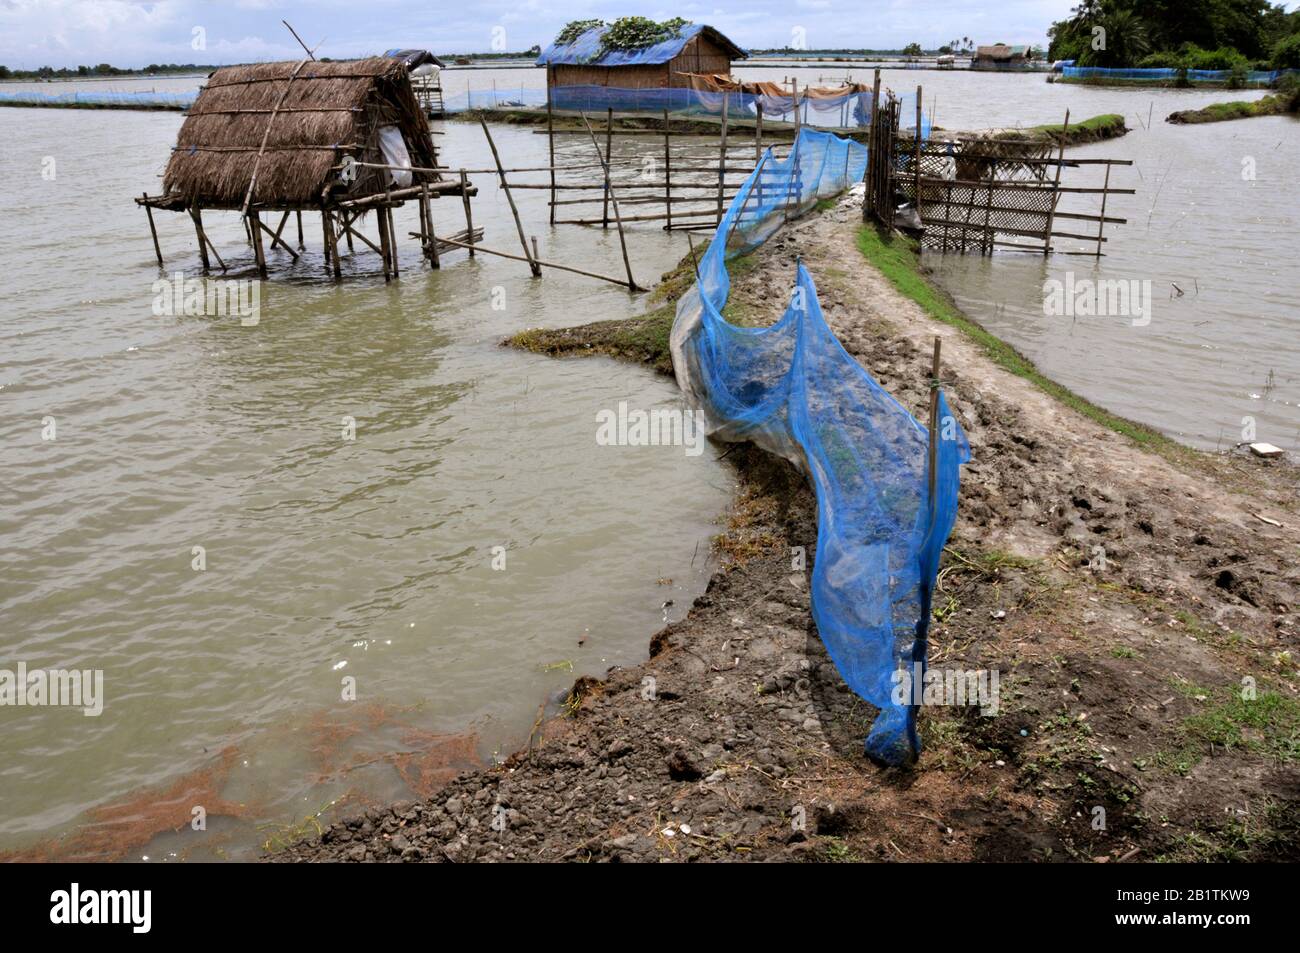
{"x":133,"y":33}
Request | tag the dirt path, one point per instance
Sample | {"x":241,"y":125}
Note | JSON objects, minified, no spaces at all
{"x":1122,"y":597}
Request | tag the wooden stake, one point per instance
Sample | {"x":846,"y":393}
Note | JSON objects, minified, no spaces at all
{"x":505,"y":186}
{"x":298,"y":215}
{"x":152,"y":230}
{"x":758,"y":131}
{"x":332,"y":240}
{"x":464,"y":196}
{"x":622,"y":240}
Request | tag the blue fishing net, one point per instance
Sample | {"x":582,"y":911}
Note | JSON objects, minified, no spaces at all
{"x":793,"y":389}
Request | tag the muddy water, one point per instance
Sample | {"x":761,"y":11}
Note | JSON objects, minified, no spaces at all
{"x":323,"y":557}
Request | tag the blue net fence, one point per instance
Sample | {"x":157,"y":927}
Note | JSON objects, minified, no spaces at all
{"x":1252,"y":77}
{"x":792,"y":389}
{"x":851,"y":110}
{"x":135,"y":99}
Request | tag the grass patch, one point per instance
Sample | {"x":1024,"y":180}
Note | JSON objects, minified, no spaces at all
{"x":1094,"y":129}
{"x":642,"y":340}
{"x":897,"y":260}
{"x":1273,"y":105}
{"x":1268,"y":725}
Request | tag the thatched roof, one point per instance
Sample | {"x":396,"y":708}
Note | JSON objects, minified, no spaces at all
{"x":331,"y":110}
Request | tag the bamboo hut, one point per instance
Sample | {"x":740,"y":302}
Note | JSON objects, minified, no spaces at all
{"x":338,"y":138}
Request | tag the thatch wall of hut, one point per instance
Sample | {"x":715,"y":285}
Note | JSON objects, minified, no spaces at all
{"x":329,"y":110}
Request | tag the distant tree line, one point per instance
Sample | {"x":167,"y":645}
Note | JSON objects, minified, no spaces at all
{"x":1179,"y":34}
{"x":103,"y":69}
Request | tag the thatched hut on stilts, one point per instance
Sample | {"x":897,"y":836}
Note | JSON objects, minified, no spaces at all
{"x":338,"y":138}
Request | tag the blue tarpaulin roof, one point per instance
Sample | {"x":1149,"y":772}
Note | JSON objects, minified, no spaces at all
{"x":586,"y":49}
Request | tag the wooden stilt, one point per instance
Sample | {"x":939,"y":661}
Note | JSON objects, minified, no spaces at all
{"x":392,"y":237}
{"x":154,"y":231}
{"x":331,"y":243}
{"x":198,"y":230}
{"x":325,"y":236}
{"x":385,"y":241}
{"x":433,"y":238}
{"x":464,"y":196}
{"x":256,"y":223}
{"x":298,"y":215}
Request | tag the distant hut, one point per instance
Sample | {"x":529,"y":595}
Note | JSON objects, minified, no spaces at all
{"x":1000,"y":56}
{"x":585,"y":62}
{"x":340,"y":138}
{"x":426,"y":79}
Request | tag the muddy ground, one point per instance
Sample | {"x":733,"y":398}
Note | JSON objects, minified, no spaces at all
{"x":1123,"y":594}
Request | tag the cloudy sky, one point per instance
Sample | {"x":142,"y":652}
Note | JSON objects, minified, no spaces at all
{"x":134,"y":33}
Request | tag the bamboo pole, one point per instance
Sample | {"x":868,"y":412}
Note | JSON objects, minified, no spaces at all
{"x":539,"y":262}
{"x":259,"y":253}
{"x":1056,"y":196}
{"x":1101,"y":220}
{"x":198,"y":230}
{"x":618,"y":218}
{"x":433,"y":238}
{"x":668,"y":174}
{"x":392,"y":237}
{"x":154,"y":232}
{"x":550,"y":145}
{"x":758,"y":131}
{"x":266,"y":133}
{"x":333,"y":236}
{"x":469,"y":215}
{"x":609,"y":143}
{"x":722,"y":153}
{"x":345,"y":226}
{"x":505,"y":186}
{"x":916,"y":159}
{"x":325,"y":236}
{"x":382,"y":222}
{"x":298,"y":213}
